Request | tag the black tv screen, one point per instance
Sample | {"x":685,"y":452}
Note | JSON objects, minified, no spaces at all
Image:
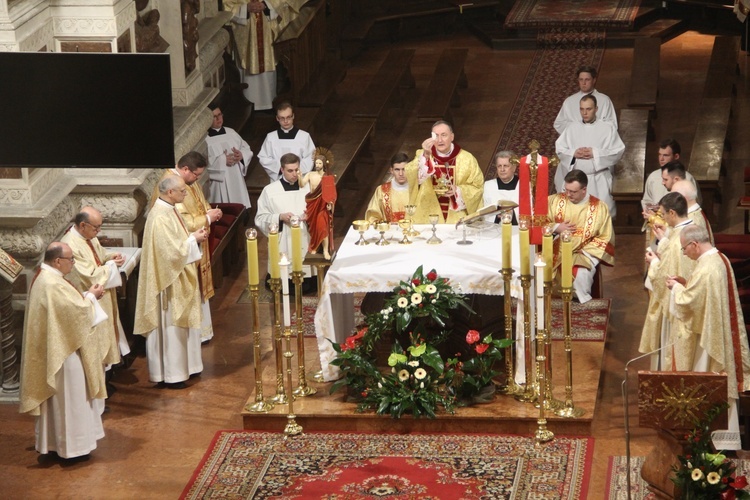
{"x":85,"y":110}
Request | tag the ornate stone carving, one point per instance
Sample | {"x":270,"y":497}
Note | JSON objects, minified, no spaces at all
{"x":65,"y":26}
{"x":189,"y":9}
{"x":147,"y":35}
{"x":30,"y":243}
{"x":213,"y":49}
{"x":125,"y":18}
{"x":114,"y":208}
{"x":15,"y":196}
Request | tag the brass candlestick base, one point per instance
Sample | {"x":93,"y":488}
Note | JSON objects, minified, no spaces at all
{"x":551,"y":404}
{"x":568,"y":410}
{"x":511,"y":387}
{"x":259,"y":406}
{"x":542,"y":433}
{"x":530,"y":392}
{"x":292,"y":427}
{"x":302,"y":389}
{"x":280,"y":397}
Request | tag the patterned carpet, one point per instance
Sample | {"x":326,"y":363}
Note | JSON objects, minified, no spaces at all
{"x":576,"y":13}
{"x":334,"y":466}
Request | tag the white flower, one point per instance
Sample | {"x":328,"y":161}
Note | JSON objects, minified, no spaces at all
{"x":380,"y":386}
{"x":403,"y":375}
{"x":413,"y":363}
{"x":697,"y":475}
{"x":434,"y":301}
{"x":420,"y":373}
{"x":430,"y":288}
{"x":421,"y":385}
{"x":713,"y":478}
{"x":416,"y":298}
{"x":402,"y":302}
{"x":390,"y":309}
{"x":393,"y":370}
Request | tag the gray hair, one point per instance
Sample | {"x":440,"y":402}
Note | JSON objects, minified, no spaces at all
{"x":169,"y":182}
{"x":694,"y":232}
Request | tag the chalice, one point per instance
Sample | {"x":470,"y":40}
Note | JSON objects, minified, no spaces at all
{"x":361,"y":226}
{"x":442,"y":186}
{"x":382,"y":227}
{"x":434,"y":240}
{"x":405,"y":226}
{"x":410,"y":211}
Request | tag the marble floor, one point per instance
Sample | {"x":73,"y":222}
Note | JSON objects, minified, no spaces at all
{"x":156,"y":437}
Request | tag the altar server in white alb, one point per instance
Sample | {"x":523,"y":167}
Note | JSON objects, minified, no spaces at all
{"x":569,"y":113}
{"x":279,"y":202}
{"x":504,"y":187}
{"x":168,"y":309}
{"x":592,"y":146}
{"x":228,"y":158}
{"x":286,"y":139}
{"x":62,"y":381}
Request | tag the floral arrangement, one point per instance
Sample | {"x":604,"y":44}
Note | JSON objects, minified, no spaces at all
{"x":420,"y":380}
{"x":703,"y":474}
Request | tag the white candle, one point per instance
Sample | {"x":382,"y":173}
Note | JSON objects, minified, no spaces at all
{"x":539,"y":266}
{"x":284,"y":265}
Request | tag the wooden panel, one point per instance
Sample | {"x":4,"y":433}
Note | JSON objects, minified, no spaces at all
{"x":630,"y":171}
{"x":722,"y":68}
{"x":442,"y":92}
{"x":85,"y":46}
{"x":394,"y":72}
{"x":644,"y":78}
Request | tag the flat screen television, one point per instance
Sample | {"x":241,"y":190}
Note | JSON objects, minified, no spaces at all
{"x":85,"y":110}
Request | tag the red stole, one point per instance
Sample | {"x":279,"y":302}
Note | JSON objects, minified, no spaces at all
{"x":537,"y":218}
{"x":734,"y":325}
{"x":444,"y":166}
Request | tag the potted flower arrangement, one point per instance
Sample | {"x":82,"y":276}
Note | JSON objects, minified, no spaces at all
{"x":704,"y":474}
{"x":473,"y":378}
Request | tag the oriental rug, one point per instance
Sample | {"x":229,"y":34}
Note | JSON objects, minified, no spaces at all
{"x":242,"y":464}
{"x":617,"y":486}
{"x":603,"y":14}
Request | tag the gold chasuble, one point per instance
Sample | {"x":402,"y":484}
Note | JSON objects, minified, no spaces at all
{"x":462,"y":172}
{"x":593,"y":233}
{"x":710,"y":307}
{"x":89,"y":270}
{"x":57,"y":323}
{"x":387,"y":204}
{"x":164,"y":268}
{"x":193,"y":210}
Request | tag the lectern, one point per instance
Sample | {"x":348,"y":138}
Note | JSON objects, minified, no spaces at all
{"x":673,"y":403}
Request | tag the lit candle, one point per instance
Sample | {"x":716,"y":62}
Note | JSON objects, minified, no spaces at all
{"x":284,"y":264}
{"x":506,"y":218}
{"x":547,"y":252}
{"x":539,"y":267}
{"x":273,"y":250}
{"x":566,"y":281}
{"x":296,"y":245}
{"x":523,"y":236}
{"x":252,"y":256}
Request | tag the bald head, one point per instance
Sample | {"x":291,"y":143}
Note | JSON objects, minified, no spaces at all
{"x":686,"y":189}
{"x":88,"y":222}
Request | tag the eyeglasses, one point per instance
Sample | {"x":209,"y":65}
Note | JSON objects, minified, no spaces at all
{"x":687,"y":245}
{"x":285,"y":118}
{"x":96,"y":228}
{"x":71,"y":259}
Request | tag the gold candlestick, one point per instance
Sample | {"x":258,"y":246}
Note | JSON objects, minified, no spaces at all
{"x":292,"y":427}
{"x":510,"y":379}
{"x":260,"y":405}
{"x":302,"y":389}
{"x":549,"y":399}
{"x":542,"y":433}
{"x":529,"y":394}
{"x":568,"y":410}
{"x":280,"y":397}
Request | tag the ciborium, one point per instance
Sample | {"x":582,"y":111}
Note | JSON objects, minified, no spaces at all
{"x":382,"y":227}
{"x":442,"y":186}
{"x":361,"y":226}
{"x":434,"y":240}
{"x":405,"y":225}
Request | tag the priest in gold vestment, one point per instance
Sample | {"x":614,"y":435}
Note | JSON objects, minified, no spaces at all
{"x":443,"y":164}
{"x":95,"y":265}
{"x":695,"y":212}
{"x":709,"y":306}
{"x":390,"y":199}
{"x":659,"y":328}
{"x":197,"y":213}
{"x":61,"y":367}
{"x":168,"y":307}
{"x":587,"y":219}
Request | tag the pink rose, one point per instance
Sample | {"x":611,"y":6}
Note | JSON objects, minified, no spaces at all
{"x":472,"y":336}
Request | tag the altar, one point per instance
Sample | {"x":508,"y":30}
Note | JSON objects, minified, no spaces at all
{"x":372,"y":268}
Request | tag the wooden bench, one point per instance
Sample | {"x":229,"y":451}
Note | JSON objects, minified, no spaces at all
{"x":352,"y":142}
{"x":227,"y":241}
{"x":383,"y":91}
{"x":627,"y":185}
{"x":644,"y":77}
{"x":317,"y":91}
{"x":442,"y":92}
{"x":707,"y":153}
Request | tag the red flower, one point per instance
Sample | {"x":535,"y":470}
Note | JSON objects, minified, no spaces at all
{"x":402,"y":292}
{"x":432,"y":275}
{"x":724,"y":480}
{"x":739,"y":482}
{"x":480,"y":348}
{"x":351,"y":342}
{"x":728,"y":494}
{"x":472,"y":336}
{"x":415,"y":281}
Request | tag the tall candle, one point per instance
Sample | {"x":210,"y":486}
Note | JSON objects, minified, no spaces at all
{"x":283,"y":263}
{"x":566,"y":281}
{"x":506,"y":242}
{"x":523,"y":236}
{"x":547,"y":253}
{"x":539,"y":267}
{"x":252,"y":256}
{"x":273,"y":253}
{"x":296,"y":245}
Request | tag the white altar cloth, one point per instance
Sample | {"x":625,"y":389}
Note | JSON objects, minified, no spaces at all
{"x":372,"y":268}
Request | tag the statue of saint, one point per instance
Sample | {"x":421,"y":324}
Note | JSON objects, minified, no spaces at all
{"x":320,"y":203}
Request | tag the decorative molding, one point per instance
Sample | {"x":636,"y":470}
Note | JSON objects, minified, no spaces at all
{"x":125,"y":18}
{"x":43,"y":36}
{"x":213,"y":49}
{"x":31,"y":243}
{"x":114,"y":208}
{"x":96,"y":26}
{"x":179,"y":97}
{"x":15,"y":196}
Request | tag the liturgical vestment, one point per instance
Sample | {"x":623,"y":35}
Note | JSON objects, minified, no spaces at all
{"x":280,"y":142}
{"x":227,"y":183}
{"x":388,"y":202}
{"x":61,"y":368}
{"x":168,"y":308}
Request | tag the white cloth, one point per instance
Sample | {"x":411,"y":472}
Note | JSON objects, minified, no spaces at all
{"x":70,"y":424}
{"x":570,"y":111}
{"x":274,"y":201}
{"x":227,"y":183}
{"x":372,"y":268}
{"x":492,"y":194}
{"x":261,"y":89}
{"x":654,"y":190}
{"x":608,"y":148}
{"x":274,"y":147}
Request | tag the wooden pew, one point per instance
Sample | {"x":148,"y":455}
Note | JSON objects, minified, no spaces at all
{"x":722,"y":68}
{"x":443,"y":90}
{"x":627,"y":186}
{"x":644,"y":77}
{"x":383,"y":91}
{"x":227,"y":241}
{"x":352,"y":142}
